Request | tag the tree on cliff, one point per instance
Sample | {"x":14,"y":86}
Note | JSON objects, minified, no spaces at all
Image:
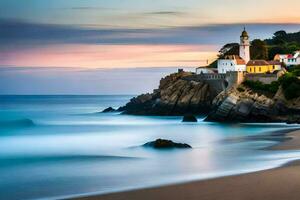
{"x":259,"y":50}
{"x":229,"y":49}
{"x":283,"y":43}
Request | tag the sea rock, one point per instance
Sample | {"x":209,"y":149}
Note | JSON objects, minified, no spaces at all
{"x":177,"y":95}
{"x":166,"y":144}
{"x":109,"y":109}
{"x":189,"y":118}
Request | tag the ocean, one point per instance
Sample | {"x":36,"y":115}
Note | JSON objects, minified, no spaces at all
{"x":55,"y":147}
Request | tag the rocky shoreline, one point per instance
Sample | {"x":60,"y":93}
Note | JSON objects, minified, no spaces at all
{"x":175,"y":96}
{"x":179,"y":96}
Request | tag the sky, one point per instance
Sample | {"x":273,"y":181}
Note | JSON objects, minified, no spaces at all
{"x":43,"y":42}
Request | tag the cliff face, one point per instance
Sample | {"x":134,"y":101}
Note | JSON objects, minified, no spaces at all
{"x":175,"y":96}
{"x":179,"y":95}
{"x":247,"y":106}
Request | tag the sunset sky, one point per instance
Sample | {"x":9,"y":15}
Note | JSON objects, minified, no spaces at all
{"x":79,"y":35}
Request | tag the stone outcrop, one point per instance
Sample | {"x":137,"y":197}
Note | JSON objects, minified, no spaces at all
{"x":189,"y":118}
{"x":175,"y":96}
{"x":109,"y":109}
{"x":247,"y":106}
{"x":166,"y":144}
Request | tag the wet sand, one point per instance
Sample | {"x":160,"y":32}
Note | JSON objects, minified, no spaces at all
{"x":276,"y":184}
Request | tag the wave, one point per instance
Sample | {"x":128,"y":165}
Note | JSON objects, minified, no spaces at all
{"x":16,"y":123}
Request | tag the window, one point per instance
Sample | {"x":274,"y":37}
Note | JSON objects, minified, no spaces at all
{"x":259,"y":69}
{"x":273,"y":66}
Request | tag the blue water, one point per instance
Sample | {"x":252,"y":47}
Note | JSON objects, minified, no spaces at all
{"x":61,"y":146}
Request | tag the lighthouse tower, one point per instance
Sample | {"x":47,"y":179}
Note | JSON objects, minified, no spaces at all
{"x":245,"y":46}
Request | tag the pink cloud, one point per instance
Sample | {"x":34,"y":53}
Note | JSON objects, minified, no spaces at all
{"x":110,"y":56}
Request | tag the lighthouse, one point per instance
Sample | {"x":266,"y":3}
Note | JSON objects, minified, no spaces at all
{"x":245,"y":46}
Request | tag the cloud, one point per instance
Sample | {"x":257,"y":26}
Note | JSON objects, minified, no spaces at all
{"x":167,"y":13}
{"x":19,"y":34}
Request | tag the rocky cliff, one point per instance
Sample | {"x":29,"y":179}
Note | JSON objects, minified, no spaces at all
{"x":179,"y":95}
{"x":175,"y":96}
{"x":243,"y":105}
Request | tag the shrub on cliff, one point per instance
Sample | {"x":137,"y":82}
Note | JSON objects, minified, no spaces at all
{"x":295,"y":70}
{"x":290,"y":85}
{"x":259,"y":86}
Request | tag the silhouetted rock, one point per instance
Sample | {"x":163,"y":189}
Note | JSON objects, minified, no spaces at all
{"x":189,"y":118}
{"x":110,"y":109}
{"x":166,"y":144}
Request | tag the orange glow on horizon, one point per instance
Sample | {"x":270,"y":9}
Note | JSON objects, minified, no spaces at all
{"x":111,"y":56}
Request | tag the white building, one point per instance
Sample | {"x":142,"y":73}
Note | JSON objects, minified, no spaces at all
{"x":231,"y":63}
{"x":289,"y":59}
{"x":235,"y":62}
{"x":245,"y":46}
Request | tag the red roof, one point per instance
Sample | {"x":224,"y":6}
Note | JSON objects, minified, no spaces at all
{"x":238,"y":59}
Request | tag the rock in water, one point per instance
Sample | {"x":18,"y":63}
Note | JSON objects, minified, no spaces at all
{"x":110,"y":109}
{"x":189,"y":118}
{"x":166,"y":144}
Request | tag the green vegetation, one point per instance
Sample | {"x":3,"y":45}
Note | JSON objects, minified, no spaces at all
{"x":259,"y":86}
{"x":229,"y":49}
{"x":295,"y":70}
{"x":283,"y":43}
{"x":259,"y":50}
{"x":290,"y":85}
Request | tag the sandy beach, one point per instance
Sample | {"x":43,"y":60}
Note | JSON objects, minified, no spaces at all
{"x":275,"y":184}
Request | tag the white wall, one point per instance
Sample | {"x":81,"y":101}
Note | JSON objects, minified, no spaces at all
{"x":229,"y":66}
{"x":292,"y":61}
{"x":245,"y":52}
{"x":204,"y":71}
{"x":225,"y":66}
